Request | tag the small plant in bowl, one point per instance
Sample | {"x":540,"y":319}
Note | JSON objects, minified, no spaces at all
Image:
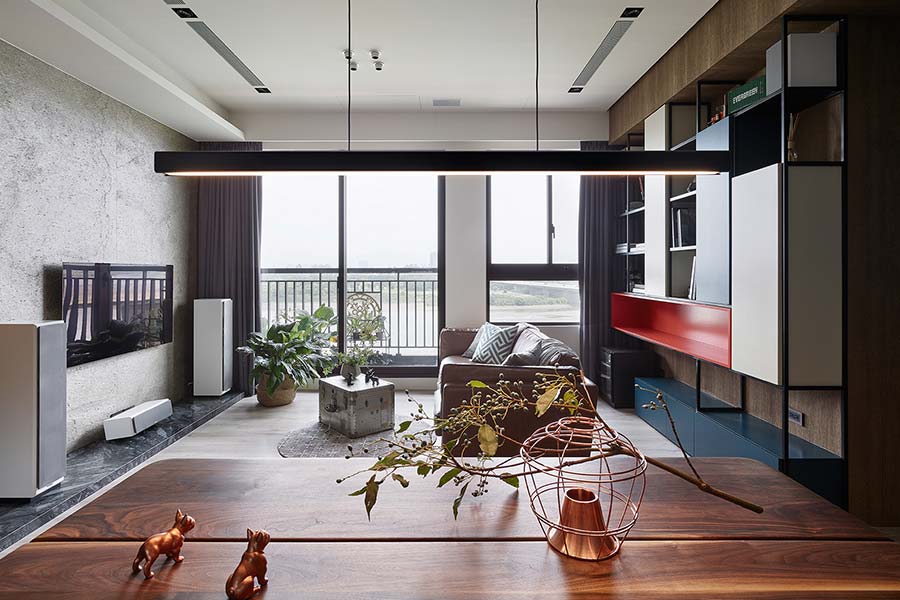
{"x":356,"y":357}
{"x":291,"y":355}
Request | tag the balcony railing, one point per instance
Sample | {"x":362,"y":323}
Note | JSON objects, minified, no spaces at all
{"x":406,"y":298}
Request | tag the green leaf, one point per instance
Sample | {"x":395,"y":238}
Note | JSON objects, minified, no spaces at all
{"x":487,"y":439}
{"x":448,"y":475}
{"x":371,"y":495}
{"x":458,"y":500}
{"x":477,"y":384}
{"x":511,"y":480}
{"x":404,"y":426}
{"x":423,"y":470}
{"x":358,"y":492}
{"x":544,"y":402}
{"x":388,"y":460}
{"x":400,"y":479}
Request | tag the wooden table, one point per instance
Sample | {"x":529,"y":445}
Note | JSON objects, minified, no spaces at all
{"x":686,"y":544}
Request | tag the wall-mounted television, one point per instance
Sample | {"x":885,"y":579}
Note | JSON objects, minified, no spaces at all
{"x":111,"y":309}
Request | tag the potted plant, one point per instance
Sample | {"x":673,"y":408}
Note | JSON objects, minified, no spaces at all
{"x":290,"y":355}
{"x":355,"y":357}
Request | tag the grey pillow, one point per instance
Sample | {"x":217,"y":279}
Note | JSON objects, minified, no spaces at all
{"x":554,"y":352}
{"x":494,"y":346}
{"x":530,"y":357}
{"x":485,"y":327}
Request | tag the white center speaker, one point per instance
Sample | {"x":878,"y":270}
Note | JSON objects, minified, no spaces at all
{"x":213,"y":346}
{"x":33,"y":407}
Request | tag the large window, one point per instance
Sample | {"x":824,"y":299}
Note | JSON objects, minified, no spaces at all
{"x":382,"y":281}
{"x":533,"y":248}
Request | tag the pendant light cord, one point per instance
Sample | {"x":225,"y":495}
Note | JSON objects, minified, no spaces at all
{"x":349,"y":70}
{"x":537,"y":67}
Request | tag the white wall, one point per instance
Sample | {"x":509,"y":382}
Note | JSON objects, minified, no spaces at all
{"x":466,"y":250}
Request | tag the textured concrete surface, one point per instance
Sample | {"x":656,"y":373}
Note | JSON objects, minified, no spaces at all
{"x":77,"y":184}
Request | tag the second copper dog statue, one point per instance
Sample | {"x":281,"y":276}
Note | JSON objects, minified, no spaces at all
{"x":168,"y":543}
{"x":253,"y":564}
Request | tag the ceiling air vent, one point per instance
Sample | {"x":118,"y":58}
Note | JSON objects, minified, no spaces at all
{"x":445,"y":102}
{"x":606,"y":46}
{"x":225,"y":52}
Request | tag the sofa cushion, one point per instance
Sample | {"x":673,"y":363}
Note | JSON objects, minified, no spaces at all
{"x":529,"y":356}
{"x":485,"y":327}
{"x":554,"y":352}
{"x":495,"y":345}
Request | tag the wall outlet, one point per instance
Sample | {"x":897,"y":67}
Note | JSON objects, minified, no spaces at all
{"x":796,"y":417}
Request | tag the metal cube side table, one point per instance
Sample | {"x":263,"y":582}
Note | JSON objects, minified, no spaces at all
{"x":356,"y":410}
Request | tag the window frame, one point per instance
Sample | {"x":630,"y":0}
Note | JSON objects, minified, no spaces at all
{"x":526,"y":271}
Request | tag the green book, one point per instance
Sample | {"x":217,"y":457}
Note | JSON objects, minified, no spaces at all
{"x":745,"y":95}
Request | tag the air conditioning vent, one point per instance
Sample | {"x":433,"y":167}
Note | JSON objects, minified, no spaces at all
{"x":225,"y":52}
{"x":445,"y":102}
{"x":603,"y":50}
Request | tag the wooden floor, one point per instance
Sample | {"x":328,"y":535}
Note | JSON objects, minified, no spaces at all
{"x":248,"y":430}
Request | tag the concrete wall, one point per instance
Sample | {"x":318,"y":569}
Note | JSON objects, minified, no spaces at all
{"x":77,"y":184}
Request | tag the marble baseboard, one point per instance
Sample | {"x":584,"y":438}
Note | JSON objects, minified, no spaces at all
{"x":90,"y":468}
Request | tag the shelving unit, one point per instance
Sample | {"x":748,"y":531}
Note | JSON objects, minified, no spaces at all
{"x":628,"y":272}
{"x":761,"y":288}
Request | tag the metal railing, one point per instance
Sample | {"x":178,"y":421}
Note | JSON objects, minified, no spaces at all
{"x":407,"y":297}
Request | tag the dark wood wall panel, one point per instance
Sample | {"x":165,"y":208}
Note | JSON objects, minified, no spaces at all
{"x":874,"y":269}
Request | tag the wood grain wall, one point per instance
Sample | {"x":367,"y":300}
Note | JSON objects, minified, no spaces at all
{"x":874,"y":269}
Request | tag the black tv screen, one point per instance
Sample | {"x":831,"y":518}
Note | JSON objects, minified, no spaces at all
{"x":112,"y":309}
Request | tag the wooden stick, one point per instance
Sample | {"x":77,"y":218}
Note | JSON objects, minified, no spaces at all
{"x":703,"y":486}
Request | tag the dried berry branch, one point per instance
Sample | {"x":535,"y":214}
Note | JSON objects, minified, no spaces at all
{"x":444,"y":443}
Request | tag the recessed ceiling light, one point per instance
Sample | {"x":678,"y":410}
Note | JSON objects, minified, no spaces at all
{"x":263,"y":90}
{"x":185,"y":13}
{"x":575,"y":89}
{"x":445,"y":102}
{"x":632,"y":13}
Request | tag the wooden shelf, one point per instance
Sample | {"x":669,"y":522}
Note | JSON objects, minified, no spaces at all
{"x":633,"y":211}
{"x":683,"y":249}
{"x":685,"y":145}
{"x":700,"y":330}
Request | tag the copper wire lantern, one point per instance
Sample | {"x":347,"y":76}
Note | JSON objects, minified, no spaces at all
{"x":585,"y":484}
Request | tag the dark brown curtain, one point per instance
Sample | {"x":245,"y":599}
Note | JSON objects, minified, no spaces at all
{"x":596,"y":253}
{"x":229,"y":222}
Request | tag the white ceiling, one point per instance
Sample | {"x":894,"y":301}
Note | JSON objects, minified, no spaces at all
{"x":480,"y":51}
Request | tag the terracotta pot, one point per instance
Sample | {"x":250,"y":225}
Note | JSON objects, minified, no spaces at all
{"x":284,"y":393}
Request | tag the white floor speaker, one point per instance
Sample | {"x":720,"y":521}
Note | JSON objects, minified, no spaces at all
{"x":213,"y":346}
{"x":32,"y":407}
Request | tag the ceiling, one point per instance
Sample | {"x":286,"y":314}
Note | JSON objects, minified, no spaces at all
{"x":480,"y":52}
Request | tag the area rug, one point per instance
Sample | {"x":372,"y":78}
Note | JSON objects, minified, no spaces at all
{"x":317,"y":440}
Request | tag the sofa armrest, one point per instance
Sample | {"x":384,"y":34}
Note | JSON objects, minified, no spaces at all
{"x":453,"y":342}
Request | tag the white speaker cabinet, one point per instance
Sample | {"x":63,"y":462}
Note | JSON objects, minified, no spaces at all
{"x":213,"y":346}
{"x":33,"y":407}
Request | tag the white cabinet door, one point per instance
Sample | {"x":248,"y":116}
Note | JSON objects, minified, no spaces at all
{"x":756,"y":273}
{"x":655,"y":234}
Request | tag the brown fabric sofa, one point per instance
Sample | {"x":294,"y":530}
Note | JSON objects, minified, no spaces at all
{"x":456,"y":371}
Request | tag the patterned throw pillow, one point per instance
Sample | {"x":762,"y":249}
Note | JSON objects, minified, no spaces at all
{"x":494,"y":346}
{"x":485,"y":328}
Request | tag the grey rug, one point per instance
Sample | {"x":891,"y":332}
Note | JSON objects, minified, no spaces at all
{"x":315,"y":440}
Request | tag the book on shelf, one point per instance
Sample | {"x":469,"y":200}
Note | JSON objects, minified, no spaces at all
{"x":692,"y":288}
{"x":684,"y":227}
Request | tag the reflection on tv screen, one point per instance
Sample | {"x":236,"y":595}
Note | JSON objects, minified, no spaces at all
{"x":112,"y":309}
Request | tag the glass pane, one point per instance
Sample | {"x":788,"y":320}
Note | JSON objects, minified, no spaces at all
{"x":519,"y":218}
{"x":392,"y":291}
{"x":566,"y":190}
{"x":299,"y":251}
{"x":534,"y":301}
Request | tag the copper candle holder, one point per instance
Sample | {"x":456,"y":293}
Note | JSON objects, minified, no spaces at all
{"x":585,"y":484}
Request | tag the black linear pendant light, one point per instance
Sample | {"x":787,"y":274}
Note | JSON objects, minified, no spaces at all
{"x":478,"y":162}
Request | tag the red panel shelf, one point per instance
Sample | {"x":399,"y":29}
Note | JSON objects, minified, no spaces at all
{"x":701,"y":330}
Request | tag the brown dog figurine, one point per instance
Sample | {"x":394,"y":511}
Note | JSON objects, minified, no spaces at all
{"x":253,"y":564}
{"x":168,"y":543}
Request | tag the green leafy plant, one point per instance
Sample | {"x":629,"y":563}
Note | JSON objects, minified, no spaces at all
{"x":298,"y":350}
{"x":357,"y":356}
{"x":442,"y":448}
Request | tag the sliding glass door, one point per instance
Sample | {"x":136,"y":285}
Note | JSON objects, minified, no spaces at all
{"x":381,"y":276}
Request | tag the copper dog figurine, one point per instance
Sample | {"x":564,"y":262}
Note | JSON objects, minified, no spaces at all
{"x":168,"y":543}
{"x":253,"y":564}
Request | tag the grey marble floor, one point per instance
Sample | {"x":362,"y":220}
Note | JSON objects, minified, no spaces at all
{"x":248,"y":430}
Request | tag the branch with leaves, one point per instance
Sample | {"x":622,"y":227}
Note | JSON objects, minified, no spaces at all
{"x":461,"y":447}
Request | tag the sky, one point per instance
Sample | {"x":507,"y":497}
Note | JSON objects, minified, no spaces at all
{"x":392,"y":220}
